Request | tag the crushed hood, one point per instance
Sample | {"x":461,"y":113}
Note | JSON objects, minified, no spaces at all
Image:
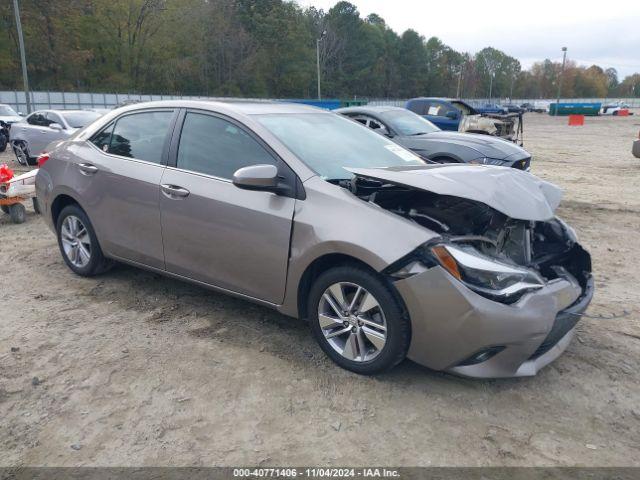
{"x":515,"y":193}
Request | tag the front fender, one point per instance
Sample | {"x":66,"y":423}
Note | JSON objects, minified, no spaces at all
{"x":332,"y":220}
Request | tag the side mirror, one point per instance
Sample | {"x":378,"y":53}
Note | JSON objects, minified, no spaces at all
{"x":452,"y":114}
{"x":257,"y":177}
{"x":55,"y":126}
{"x":21,"y":114}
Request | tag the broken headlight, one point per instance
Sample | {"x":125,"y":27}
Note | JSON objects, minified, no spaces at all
{"x":486,"y":276}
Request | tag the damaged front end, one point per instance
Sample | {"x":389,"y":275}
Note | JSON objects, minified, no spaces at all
{"x":487,"y":263}
{"x":509,"y":126}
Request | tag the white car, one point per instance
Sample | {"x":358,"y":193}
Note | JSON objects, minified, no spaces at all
{"x":30,"y":136}
{"x":8,"y":114}
{"x":613,"y":108}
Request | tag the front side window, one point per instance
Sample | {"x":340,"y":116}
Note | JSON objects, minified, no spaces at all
{"x":217,"y":147}
{"x":37,"y":119}
{"x":327,"y":143}
{"x":141,"y":135}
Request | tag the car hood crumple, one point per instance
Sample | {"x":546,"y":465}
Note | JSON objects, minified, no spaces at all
{"x":515,"y":193}
{"x":486,"y":145}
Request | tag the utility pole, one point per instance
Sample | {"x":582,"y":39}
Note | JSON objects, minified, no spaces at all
{"x":564,"y":61}
{"x":513,"y":80}
{"x":459,"y":81}
{"x":318,"y":40}
{"x":492,"y":74}
{"x":23,"y":57}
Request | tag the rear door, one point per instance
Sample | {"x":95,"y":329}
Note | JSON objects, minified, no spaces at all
{"x":214,"y":232}
{"x":118,"y":174}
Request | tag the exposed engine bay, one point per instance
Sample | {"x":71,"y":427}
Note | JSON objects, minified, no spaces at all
{"x":548,"y":247}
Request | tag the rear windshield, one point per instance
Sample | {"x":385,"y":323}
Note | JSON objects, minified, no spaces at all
{"x":327,"y":143}
{"x":80,"y":119}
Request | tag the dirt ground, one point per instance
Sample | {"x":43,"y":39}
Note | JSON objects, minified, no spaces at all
{"x":135,"y":369}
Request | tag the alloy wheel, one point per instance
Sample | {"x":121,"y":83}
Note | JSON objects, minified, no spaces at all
{"x":76,"y":242}
{"x":21,"y":154}
{"x":352,"y":321}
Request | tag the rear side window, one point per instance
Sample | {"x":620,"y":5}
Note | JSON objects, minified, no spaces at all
{"x":139,"y":135}
{"x":421,"y":107}
{"x":54,"y":118}
{"x":217,"y":147}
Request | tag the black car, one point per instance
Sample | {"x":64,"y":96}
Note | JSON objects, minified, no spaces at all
{"x":434,"y":145}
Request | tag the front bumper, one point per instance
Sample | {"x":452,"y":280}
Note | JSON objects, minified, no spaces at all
{"x":451,"y":323}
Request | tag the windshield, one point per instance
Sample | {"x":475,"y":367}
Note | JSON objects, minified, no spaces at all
{"x":408,"y":123}
{"x":8,"y":111}
{"x":326,"y":143}
{"x":80,"y":119}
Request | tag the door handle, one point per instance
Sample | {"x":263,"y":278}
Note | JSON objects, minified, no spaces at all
{"x":173,"y":191}
{"x":87,"y":168}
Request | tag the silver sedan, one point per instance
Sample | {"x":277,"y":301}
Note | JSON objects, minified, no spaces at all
{"x":462,"y":268}
{"x":30,"y":136}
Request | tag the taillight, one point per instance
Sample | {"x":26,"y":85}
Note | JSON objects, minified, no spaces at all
{"x":42,"y":159}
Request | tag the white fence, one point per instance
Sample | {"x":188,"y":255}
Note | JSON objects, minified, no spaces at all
{"x":76,"y":100}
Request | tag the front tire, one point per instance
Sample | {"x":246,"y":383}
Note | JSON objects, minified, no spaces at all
{"x":78,"y":243}
{"x":357,"y":320}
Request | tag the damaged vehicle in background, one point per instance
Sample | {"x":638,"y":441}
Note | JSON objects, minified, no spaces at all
{"x":459,"y":116}
{"x":435,"y":146}
{"x":461,"y":268}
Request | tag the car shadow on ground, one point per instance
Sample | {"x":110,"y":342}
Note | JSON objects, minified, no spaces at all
{"x":215,"y":316}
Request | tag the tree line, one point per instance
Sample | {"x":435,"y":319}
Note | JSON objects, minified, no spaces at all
{"x":264,"y":48}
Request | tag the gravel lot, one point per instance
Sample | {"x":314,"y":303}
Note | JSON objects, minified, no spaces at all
{"x":135,"y":369}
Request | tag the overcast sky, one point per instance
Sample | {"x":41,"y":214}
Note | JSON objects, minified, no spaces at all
{"x":608,"y":36}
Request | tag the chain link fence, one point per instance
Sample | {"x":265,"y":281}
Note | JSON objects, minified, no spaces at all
{"x":83,"y":101}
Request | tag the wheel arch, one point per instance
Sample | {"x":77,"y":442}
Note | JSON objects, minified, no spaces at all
{"x":61,"y":201}
{"x":316,"y":268}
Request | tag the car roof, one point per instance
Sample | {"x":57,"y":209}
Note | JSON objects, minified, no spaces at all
{"x":444,"y":99}
{"x":372,"y":109}
{"x":245,"y":107}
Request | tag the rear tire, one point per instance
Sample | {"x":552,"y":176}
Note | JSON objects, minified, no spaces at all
{"x":79,"y":244}
{"x":368,"y":348}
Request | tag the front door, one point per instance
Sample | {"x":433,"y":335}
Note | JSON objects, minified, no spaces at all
{"x":213,"y":231}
